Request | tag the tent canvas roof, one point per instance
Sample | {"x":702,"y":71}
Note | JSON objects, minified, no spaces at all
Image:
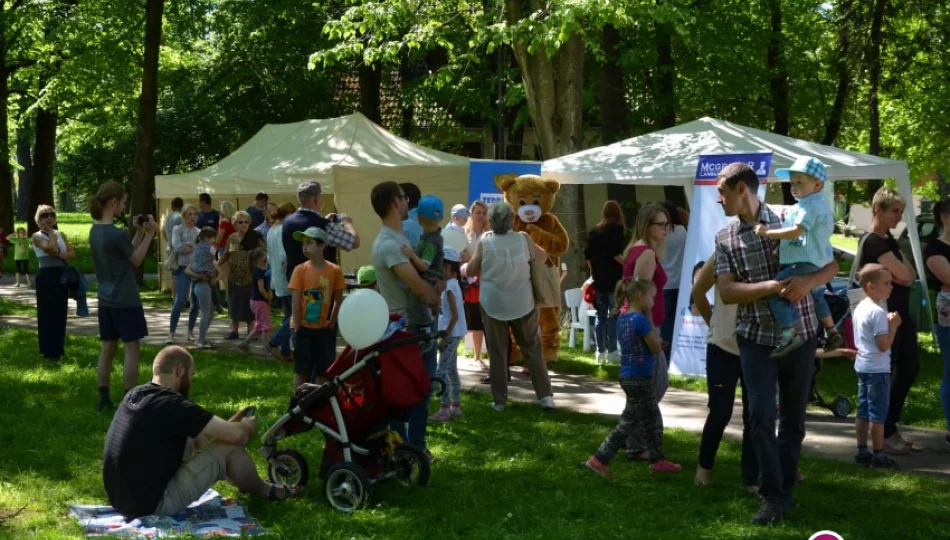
{"x":281,"y":156}
{"x":669,"y":156}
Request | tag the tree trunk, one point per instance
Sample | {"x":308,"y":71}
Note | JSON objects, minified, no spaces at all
{"x":408,"y":109}
{"x":778,"y":80}
{"x":874,"y":69}
{"x":371,"y":80}
{"x":24,"y":146}
{"x":6,"y":175}
{"x":553,"y":87}
{"x":613,"y":103}
{"x":515,"y":148}
{"x":664,"y":92}
{"x":143,"y":177}
{"x":44,"y":156}
{"x":842,"y":52}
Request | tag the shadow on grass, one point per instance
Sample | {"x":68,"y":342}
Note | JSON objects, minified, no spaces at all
{"x":515,"y":474}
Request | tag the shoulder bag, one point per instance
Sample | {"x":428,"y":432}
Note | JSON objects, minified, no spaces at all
{"x":545,"y":282}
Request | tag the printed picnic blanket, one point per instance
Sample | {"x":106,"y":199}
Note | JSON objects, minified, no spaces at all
{"x":211,"y":515}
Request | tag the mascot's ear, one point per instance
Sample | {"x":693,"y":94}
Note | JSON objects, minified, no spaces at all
{"x":552,"y":185}
{"x":505,"y":181}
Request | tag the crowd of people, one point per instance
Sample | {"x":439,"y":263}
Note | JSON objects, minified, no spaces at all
{"x":767,"y":322}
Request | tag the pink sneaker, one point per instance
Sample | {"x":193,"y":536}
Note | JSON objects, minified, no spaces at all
{"x":665,"y":466}
{"x":595,"y":465}
{"x":455,"y":412}
{"x":442,"y":416}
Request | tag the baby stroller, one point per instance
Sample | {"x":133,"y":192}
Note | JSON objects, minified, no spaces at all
{"x":365,"y":390}
{"x":840,"y":308}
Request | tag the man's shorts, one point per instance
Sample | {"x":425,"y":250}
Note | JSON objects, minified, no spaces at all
{"x":314,"y":350}
{"x":126,"y":324}
{"x":196,"y":475}
{"x":874,"y":391}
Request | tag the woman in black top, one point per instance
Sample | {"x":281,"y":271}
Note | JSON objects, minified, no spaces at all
{"x":881,"y":247}
{"x":937,"y":258}
{"x":604,"y":256}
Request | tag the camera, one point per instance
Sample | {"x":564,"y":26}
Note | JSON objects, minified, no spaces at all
{"x":141,"y":220}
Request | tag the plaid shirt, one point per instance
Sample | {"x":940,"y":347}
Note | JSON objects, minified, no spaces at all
{"x":752,"y":260}
{"x":337,"y":235}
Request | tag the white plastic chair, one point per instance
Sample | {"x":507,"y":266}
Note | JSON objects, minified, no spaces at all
{"x":579,"y":321}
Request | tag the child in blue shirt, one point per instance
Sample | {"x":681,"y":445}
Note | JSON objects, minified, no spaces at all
{"x":804,"y":248}
{"x":639,"y":342}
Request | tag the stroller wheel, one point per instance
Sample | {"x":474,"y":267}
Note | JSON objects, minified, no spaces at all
{"x":347,"y":487}
{"x":410,"y":465}
{"x":841,"y":408}
{"x":288,"y":468}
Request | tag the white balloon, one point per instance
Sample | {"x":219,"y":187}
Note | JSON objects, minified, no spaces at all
{"x":363,"y":318}
{"x":454,"y":239}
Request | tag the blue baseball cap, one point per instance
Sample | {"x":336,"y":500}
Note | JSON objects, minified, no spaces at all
{"x":430,"y":207}
{"x":808,"y":165}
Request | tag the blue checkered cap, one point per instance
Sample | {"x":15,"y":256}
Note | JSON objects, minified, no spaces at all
{"x":808,"y":165}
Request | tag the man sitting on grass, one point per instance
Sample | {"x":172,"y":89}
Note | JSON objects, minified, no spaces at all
{"x":163,"y":452}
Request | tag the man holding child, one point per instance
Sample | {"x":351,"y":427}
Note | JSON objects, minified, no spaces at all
{"x":746,"y":266}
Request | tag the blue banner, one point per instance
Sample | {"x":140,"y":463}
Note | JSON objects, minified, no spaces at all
{"x":482,"y":174}
{"x":709,"y":165}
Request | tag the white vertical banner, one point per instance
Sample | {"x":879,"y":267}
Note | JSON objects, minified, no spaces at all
{"x":706,"y":218}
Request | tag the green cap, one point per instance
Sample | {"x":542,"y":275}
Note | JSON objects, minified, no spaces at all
{"x":312,"y":232}
{"x":366,"y":276}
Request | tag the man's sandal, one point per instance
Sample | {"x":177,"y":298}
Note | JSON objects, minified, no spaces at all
{"x":286,"y":491}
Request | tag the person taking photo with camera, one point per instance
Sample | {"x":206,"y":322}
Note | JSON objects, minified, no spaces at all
{"x":120,"y":308}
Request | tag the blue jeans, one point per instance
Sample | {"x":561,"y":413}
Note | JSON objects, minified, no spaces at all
{"x":873,"y":393}
{"x":605,"y":327}
{"x":282,"y":337}
{"x":784,"y":312}
{"x":419,"y":414}
{"x":777,"y":456}
{"x":182,"y":286}
{"x":201,"y":292}
{"x":943,"y":340}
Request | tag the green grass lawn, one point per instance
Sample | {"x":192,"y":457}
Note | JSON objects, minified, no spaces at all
{"x":76,"y":228}
{"x":844,"y":242}
{"x":512,"y":475}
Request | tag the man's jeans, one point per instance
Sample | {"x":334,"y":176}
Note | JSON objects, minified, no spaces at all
{"x":605,"y":328}
{"x":419,"y":414}
{"x":785,"y":313}
{"x":777,"y":456}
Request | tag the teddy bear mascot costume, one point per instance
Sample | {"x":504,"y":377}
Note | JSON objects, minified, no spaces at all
{"x":532,"y":198}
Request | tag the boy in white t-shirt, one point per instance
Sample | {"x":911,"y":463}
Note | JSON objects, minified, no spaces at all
{"x":452,"y":328}
{"x":874,"y":331}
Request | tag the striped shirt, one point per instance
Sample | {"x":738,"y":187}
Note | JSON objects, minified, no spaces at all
{"x":752,"y":260}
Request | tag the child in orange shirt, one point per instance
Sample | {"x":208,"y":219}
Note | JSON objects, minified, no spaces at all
{"x":317,"y":289}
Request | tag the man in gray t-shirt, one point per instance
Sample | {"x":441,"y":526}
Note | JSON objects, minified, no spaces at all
{"x":387,"y":254}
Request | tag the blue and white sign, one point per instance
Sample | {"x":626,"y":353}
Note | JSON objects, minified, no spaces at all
{"x":482,"y":174}
{"x":706,"y":218}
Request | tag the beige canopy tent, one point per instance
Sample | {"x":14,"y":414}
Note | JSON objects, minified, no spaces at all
{"x":346,"y":155}
{"x":669,"y":157}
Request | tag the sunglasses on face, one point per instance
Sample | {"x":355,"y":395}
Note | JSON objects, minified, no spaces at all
{"x":662,"y":224}
{"x":46,"y":215}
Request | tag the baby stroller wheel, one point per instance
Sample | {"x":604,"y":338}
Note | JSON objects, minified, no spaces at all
{"x":410,"y":465}
{"x":841,"y":408}
{"x":288,"y":468}
{"x":347,"y":487}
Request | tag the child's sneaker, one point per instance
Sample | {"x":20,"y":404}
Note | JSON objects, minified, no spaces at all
{"x":244,"y":345}
{"x":883,"y":462}
{"x":863,"y":459}
{"x":834,"y":341}
{"x":665,"y":466}
{"x":455,"y":412}
{"x":595,"y":465}
{"x":442,"y":416}
{"x":790,"y":342}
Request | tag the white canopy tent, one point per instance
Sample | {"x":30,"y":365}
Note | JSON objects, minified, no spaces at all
{"x":669,"y":157}
{"x":346,"y":155}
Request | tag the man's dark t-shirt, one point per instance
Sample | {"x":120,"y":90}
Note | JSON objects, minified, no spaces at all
{"x":145,"y":446}
{"x":257,"y":216}
{"x":602,"y":247}
{"x":874,"y":248}
{"x":208,"y":219}
{"x":301,"y":220}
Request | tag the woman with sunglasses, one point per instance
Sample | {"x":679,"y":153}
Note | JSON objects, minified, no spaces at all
{"x":641,"y":260}
{"x":239,"y":248}
{"x":53,"y":250}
